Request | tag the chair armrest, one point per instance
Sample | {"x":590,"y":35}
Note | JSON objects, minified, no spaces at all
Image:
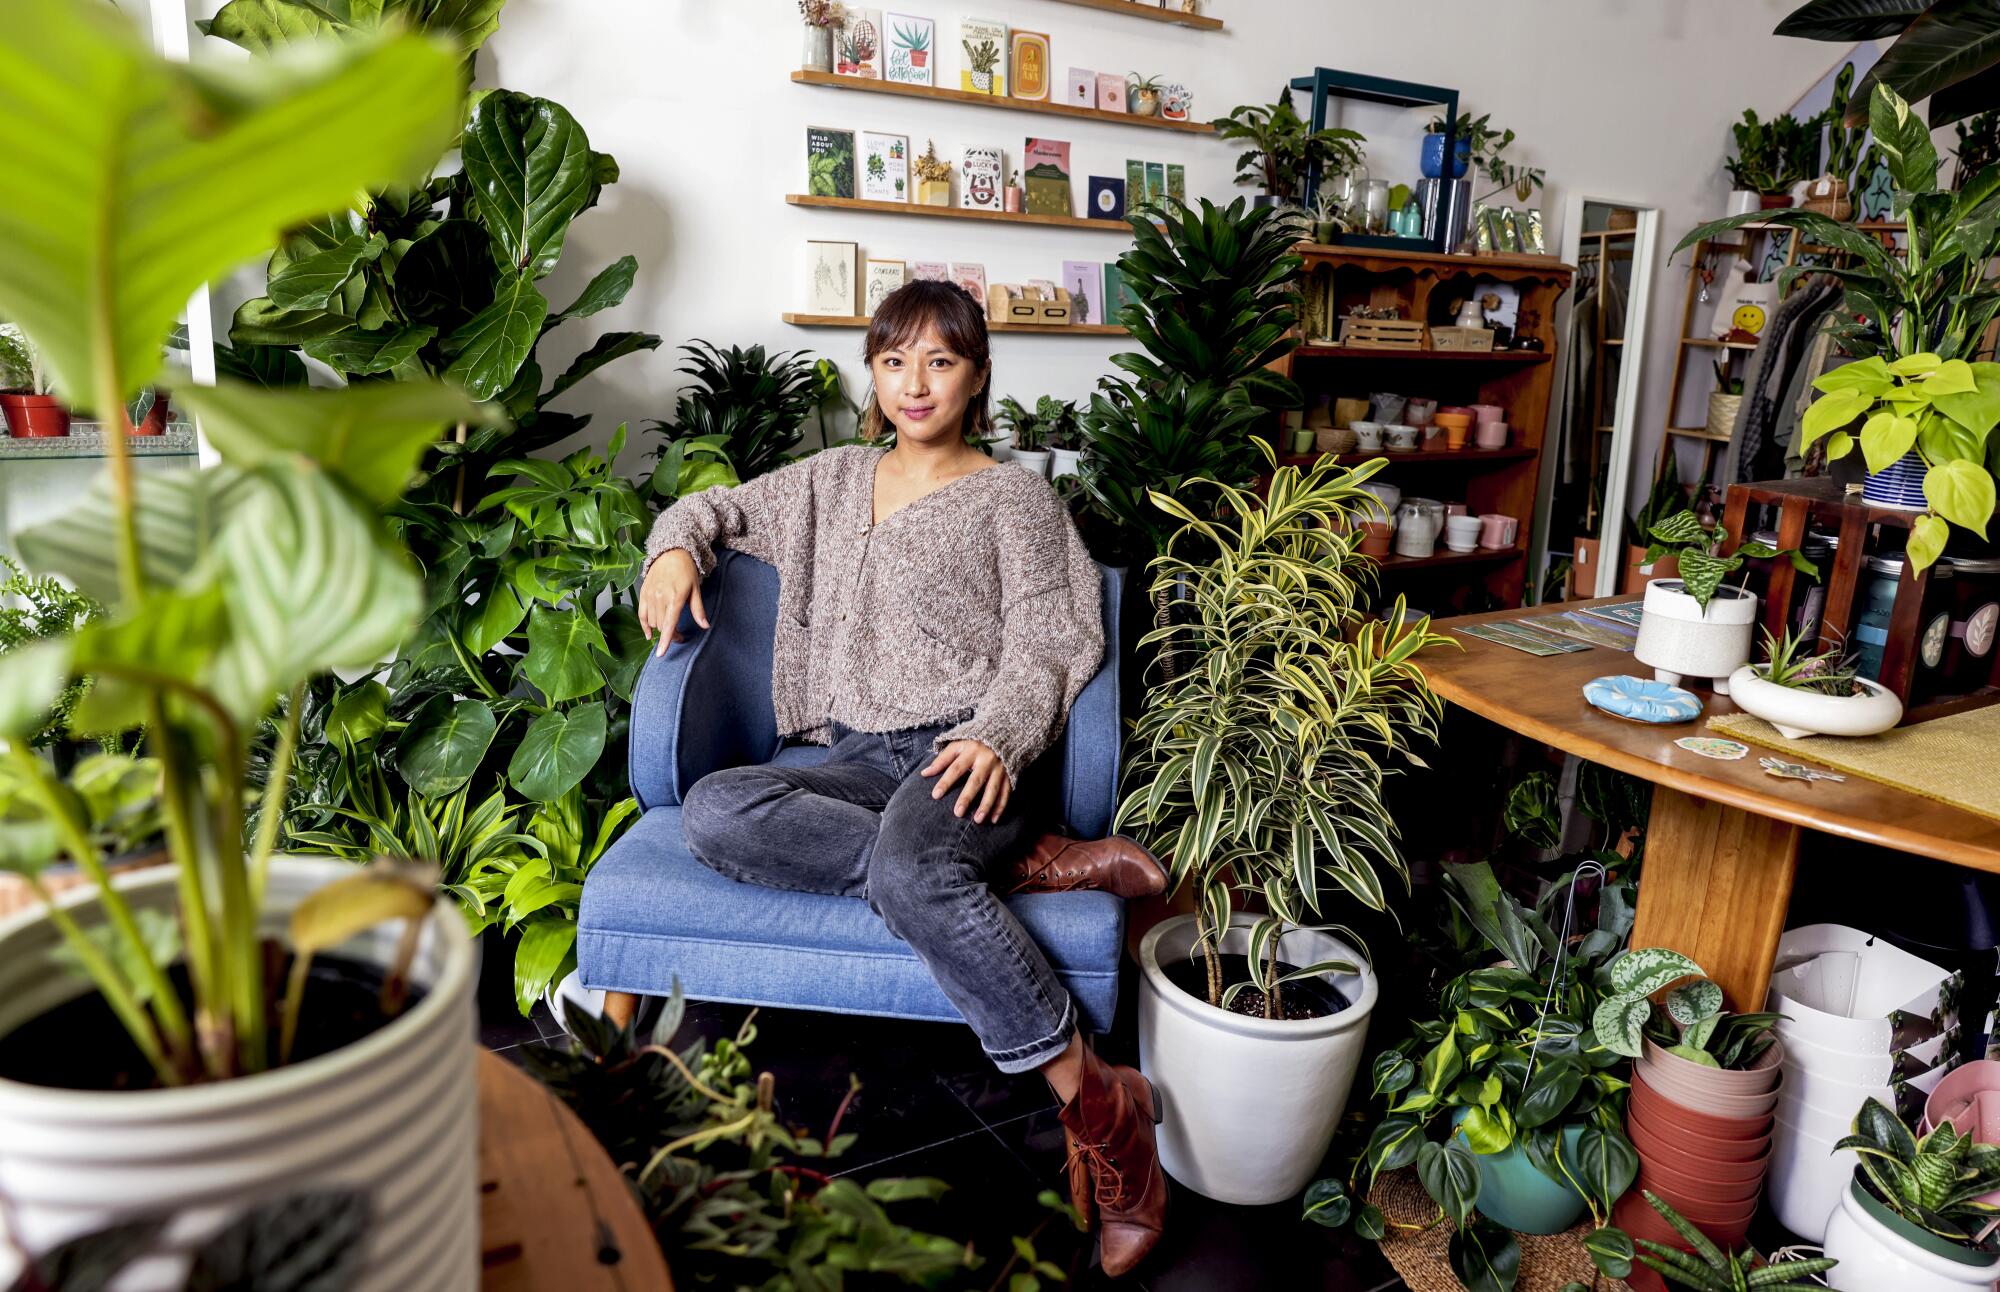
{"x":1095,"y":733}
{"x":706,"y":704}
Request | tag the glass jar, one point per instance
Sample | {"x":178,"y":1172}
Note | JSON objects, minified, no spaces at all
{"x":1870,"y":633}
{"x":1820,"y":549}
{"x":1927,"y":675}
{"x":1975,"y":619}
{"x":1870,"y":637}
{"x":1375,"y":206}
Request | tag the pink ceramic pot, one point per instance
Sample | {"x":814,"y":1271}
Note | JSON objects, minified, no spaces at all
{"x":1490,"y":435}
{"x":1488,"y":413}
{"x":1753,"y":1093}
{"x":1970,"y":1100}
{"x":1496,"y":532}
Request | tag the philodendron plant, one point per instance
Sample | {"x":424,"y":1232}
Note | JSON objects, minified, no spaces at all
{"x":1692,"y":1024}
{"x":229,"y":587}
{"x":1916,"y":317}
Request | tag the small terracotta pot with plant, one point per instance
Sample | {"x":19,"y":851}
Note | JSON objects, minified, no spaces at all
{"x":26,"y":396}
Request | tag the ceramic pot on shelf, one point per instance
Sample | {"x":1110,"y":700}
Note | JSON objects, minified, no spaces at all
{"x":1367,"y":436}
{"x":1143,"y":102}
{"x":1376,"y":537}
{"x":818,"y":53}
{"x":34,"y":417}
{"x":1201,"y":1059}
{"x":1742,"y":201}
{"x":1461,"y":533}
{"x":1430,"y":158}
{"x":1678,"y":639}
{"x":1418,"y":523}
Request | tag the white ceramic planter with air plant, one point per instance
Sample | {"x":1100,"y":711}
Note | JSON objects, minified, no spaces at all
{"x":1251,"y":1103}
{"x":1796,"y":712}
{"x":394,"y":1116}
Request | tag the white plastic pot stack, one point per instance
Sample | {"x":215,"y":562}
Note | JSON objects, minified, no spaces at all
{"x":1862,"y":1019}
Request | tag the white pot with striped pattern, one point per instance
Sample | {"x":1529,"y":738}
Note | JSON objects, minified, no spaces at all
{"x":395,"y":1115}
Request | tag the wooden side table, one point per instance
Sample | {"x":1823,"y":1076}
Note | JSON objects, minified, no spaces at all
{"x":555,"y":1213}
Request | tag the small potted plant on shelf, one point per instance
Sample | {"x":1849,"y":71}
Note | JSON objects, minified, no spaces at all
{"x":1704,"y":1267}
{"x":1808,"y":693}
{"x":820,"y":18}
{"x":1828,"y":194}
{"x":1693,"y":626}
{"x":1012,"y":199}
{"x":1773,"y":156}
{"x":27,"y":396}
{"x":1142,"y":95}
{"x":1326,"y":221}
{"x":1284,"y":151}
{"x":1911,"y":1218}
{"x":1257,"y":765}
{"x":228,"y":1027}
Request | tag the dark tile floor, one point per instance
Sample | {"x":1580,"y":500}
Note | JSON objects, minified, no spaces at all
{"x":930,"y":1104}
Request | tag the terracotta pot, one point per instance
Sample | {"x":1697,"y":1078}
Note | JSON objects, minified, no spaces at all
{"x":1668,"y":1117}
{"x":34,"y":417}
{"x":1636,"y":1217}
{"x":1693,"y":1157}
{"x":1677,"y":1186}
{"x":1711,"y":1090}
{"x":1773,"y":201}
{"x":156,"y":419}
{"x":1378,"y":533}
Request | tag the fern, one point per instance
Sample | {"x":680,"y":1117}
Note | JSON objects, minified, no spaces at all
{"x":37,"y":609}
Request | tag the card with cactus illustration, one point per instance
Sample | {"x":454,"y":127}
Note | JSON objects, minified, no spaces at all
{"x":857,"y":45}
{"x":829,"y":162}
{"x":906,"y":57}
{"x":885,"y":167}
{"x":982,"y":65}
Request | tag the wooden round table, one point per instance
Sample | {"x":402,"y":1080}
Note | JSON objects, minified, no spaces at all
{"x":1723,"y":841}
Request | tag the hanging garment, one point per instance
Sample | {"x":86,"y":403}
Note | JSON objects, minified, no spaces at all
{"x":1779,"y":349}
{"x":1822,"y":356}
{"x":1578,"y":423}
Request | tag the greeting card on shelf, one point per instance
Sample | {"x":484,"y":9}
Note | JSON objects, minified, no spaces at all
{"x":1135,"y":185}
{"x":1110,"y":92}
{"x":1107,"y":198}
{"x":1046,"y":175}
{"x":983,"y":55}
{"x":980,"y":180}
{"x":830,"y":277}
{"x":1082,"y":279}
{"x":972,"y":278}
{"x":884,"y":276}
{"x":1117,"y":292}
{"x":1082,"y":88}
{"x":1156,"y":184}
{"x":829,"y":162}
{"x":885,"y":167}
{"x":1177,"y":181}
{"x":858,"y":44}
{"x":930,"y":271}
{"x":1030,"y":65}
{"x":907,"y":60}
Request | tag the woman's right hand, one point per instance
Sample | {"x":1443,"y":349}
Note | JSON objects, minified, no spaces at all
{"x":672,"y":584}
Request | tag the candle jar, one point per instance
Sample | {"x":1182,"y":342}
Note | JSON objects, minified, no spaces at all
{"x":1375,"y":206}
{"x":1975,"y":617}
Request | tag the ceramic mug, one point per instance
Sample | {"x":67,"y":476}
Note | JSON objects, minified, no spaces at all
{"x":1461,"y":533}
{"x":1491,"y":435}
{"x":1368,"y":433}
{"x":1401,"y":438}
{"x":1419,"y":412}
{"x":1488,"y":412}
{"x":1496,"y":532}
{"x":1418,"y":522}
{"x":1302,"y":441}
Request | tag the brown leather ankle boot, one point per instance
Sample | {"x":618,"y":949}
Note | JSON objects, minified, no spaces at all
{"x":1058,"y":863}
{"x":1110,"y":1127}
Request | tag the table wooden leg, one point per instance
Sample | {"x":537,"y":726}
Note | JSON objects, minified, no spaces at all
{"x":1715,"y":887}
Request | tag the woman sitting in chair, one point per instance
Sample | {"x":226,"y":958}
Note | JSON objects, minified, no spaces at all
{"x":937,"y":617}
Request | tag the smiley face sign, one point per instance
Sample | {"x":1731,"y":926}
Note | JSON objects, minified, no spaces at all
{"x":1748,"y":318}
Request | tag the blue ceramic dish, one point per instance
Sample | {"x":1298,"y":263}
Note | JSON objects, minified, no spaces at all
{"x":1642,"y":699}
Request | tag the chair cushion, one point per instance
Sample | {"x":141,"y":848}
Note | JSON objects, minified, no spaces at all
{"x":651,"y":912}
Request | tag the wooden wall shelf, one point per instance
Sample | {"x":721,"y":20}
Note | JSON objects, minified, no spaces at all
{"x":1047,"y":329}
{"x":1393,"y":564}
{"x":960,"y":213}
{"x":1446,"y":356}
{"x":1436,"y":457}
{"x":1200,"y":22}
{"x":832,"y":82}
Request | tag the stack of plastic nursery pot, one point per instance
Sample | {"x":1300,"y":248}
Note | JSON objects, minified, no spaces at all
{"x":1704,"y":1141}
{"x":1970,"y":1100}
{"x":1862,"y":1019}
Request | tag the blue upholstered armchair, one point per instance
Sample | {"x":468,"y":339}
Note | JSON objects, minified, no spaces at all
{"x":652,"y":913}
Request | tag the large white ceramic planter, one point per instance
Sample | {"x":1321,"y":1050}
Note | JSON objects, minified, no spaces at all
{"x":1251,"y":1103}
{"x":1065,"y":462}
{"x":1878,"y":1251}
{"x":1036,"y":460}
{"x":1677,"y":639}
{"x":395,"y":1115}
{"x":1798,"y":713}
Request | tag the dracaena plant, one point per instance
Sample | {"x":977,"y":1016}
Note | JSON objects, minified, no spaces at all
{"x":224,"y":588}
{"x":1692,"y":1022}
{"x":1915,"y":317}
{"x":1509,"y":1060}
{"x":751,"y":405}
{"x":1935,"y":1182}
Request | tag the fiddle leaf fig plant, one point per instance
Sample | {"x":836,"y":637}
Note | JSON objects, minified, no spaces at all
{"x":224,"y":588}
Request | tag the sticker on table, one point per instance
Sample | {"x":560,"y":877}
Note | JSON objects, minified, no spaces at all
{"x":1714,"y":747}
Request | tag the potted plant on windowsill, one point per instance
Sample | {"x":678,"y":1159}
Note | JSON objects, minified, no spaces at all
{"x":1807,"y":694}
{"x":26,"y":397}
{"x":1916,"y":401}
{"x":1910,"y":1218}
{"x":198,"y":1068}
{"x":1693,"y":626}
{"x":1258,"y":768}
{"x":1283,"y":150}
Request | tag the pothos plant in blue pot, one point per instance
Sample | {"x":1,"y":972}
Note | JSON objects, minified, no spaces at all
{"x":1506,"y":1103}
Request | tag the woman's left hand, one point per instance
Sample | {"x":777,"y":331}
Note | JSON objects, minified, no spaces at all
{"x":985,"y":779}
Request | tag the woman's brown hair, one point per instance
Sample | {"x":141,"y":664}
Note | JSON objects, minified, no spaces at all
{"x":959,"y":321}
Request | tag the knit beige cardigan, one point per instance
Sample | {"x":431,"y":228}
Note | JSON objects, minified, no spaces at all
{"x":975,"y":605}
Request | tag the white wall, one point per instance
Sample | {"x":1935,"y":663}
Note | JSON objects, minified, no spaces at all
{"x":1623,"y":98}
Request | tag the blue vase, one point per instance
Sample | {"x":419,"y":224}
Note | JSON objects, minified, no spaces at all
{"x":1432,"y":157}
{"x":1517,"y":1196}
{"x":1899,"y":485}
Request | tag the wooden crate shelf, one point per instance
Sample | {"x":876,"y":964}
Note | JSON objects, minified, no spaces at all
{"x":1152,"y":12}
{"x":1050,"y":329}
{"x":960,"y":213}
{"x":827,"y":80}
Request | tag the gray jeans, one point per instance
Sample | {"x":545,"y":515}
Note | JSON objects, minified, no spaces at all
{"x":864,"y":824}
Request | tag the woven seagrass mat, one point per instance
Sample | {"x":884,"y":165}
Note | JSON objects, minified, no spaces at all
{"x":1547,"y":1262}
{"x":1947,"y":759}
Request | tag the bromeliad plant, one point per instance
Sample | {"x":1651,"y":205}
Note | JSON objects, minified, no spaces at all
{"x":1710,"y":1269}
{"x":1259,"y":770}
{"x":1934,"y":1183}
{"x":229,"y":587}
{"x":1692,"y":1024}
{"x":1698,"y":552}
{"x":1915,"y":317}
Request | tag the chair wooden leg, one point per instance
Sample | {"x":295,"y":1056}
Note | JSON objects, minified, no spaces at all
{"x":619,"y":1006}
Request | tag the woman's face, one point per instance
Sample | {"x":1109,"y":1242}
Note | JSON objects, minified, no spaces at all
{"x":924,"y":389}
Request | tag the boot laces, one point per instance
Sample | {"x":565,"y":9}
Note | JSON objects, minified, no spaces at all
{"x":1107,"y":1182}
